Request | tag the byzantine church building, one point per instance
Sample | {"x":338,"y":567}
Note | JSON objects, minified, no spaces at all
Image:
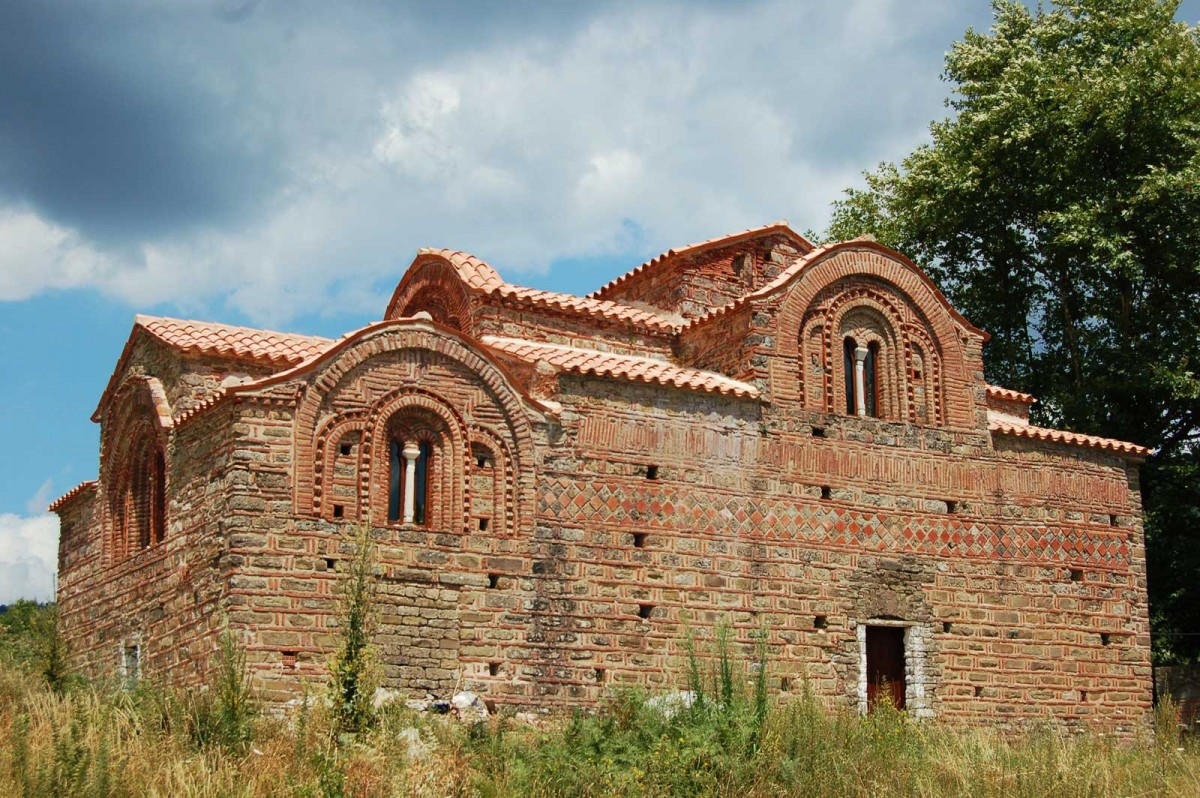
{"x":797,"y":441}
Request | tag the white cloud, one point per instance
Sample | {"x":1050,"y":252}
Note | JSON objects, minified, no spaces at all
{"x":28,"y":556}
{"x":38,"y":256}
{"x":641,"y":128}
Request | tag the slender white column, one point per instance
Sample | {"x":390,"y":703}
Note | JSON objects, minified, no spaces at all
{"x":860,"y":394}
{"x":410,"y":453}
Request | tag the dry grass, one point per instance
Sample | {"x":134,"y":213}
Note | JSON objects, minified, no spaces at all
{"x":89,"y":742}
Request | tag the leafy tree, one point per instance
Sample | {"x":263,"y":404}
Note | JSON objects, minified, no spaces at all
{"x":1058,"y":209}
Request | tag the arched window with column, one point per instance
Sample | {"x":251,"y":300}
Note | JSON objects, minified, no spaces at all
{"x":408,"y":481}
{"x":861,"y":369}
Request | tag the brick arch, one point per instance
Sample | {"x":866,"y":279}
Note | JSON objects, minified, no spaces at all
{"x":436,"y":288}
{"x":326,"y":480}
{"x":406,"y":407}
{"x":133,"y":467}
{"x":906,"y":280}
{"x":326,"y":373}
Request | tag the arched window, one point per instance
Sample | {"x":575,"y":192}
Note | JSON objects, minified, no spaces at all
{"x":408,"y":480}
{"x":848,"y":347}
{"x":871,"y":379}
{"x":139,"y":505}
{"x":861,"y":368}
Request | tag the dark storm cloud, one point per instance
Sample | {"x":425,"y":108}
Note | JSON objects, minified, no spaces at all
{"x":106,"y":130}
{"x":132,"y":121}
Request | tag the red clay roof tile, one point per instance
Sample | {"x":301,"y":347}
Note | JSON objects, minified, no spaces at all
{"x":71,"y":495}
{"x":1062,"y":436}
{"x":239,"y":342}
{"x":1010,"y":395}
{"x":607,"y":364}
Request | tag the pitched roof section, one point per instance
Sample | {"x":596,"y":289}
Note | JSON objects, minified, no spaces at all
{"x":1010,"y":395}
{"x":483,"y":279}
{"x":71,"y":495}
{"x":204,"y":337}
{"x":1073,"y":438}
{"x":238,"y":342}
{"x":692,"y":249}
{"x":630,"y":367}
{"x":812,"y":257}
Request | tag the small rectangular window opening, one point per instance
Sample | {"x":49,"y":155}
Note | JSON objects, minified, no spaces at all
{"x":639,"y":540}
{"x":821,"y":622}
{"x":1083,"y":696}
{"x":652,"y":472}
{"x":339,"y":511}
{"x":951,"y":506}
{"x":645,"y":610}
{"x":1076,"y":574}
{"x":481,"y":461}
{"x":600,"y":675}
{"x":344,"y":448}
{"x":1105,"y":638}
{"x":978,"y":691}
{"x":132,"y":665}
{"x":947,"y":627}
{"x":493,"y":581}
{"x":826,"y":492}
{"x":785,"y":684}
{"x":289,"y":659}
{"x":1112,"y":520}
{"x":483,"y":524}
{"x":330,"y":564}
{"x":818,"y":432}
{"x":493,"y":669}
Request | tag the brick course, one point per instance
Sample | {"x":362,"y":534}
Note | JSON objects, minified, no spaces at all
{"x":584,"y":516}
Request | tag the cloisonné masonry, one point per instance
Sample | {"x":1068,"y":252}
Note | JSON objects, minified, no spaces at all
{"x":750,"y":430}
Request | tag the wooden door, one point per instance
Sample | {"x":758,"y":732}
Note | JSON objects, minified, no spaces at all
{"x":885,"y":665}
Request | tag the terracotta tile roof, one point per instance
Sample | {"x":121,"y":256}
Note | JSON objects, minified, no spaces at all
{"x":691,"y":249}
{"x":240,"y":342}
{"x":812,"y":257}
{"x":1062,"y":436}
{"x":71,"y":495}
{"x":481,"y":277}
{"x":607,"y":364}
{"x":1010,"y":395}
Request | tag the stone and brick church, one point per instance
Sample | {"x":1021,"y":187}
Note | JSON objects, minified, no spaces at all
{"x":751,"y":429}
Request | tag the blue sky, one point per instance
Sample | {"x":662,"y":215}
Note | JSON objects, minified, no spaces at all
{"x":278,"y":163}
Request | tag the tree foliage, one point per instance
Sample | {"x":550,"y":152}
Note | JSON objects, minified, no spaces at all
{"x":1058,"y":208}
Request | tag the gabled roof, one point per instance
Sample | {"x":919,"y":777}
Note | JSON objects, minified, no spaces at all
{"x":481,"y":278}
{"x":674,"y":254}
{"x":266,"y":347}
{"x":607,"y":364}
{"x":815,"y":256}
{"x":205,"y":337}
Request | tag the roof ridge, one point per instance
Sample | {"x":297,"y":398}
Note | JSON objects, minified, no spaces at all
{"x":732,"y":238}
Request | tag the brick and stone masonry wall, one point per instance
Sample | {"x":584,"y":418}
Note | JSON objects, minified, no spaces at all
{"x":165,"y":599}
{"x":1018,"y":569}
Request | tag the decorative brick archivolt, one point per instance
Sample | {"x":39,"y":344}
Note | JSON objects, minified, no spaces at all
{"x":436,"y":288}
{"x":320,"y":428}
{"x":135,"y":439}
{"x":928,"y":334}
{"x":873,"y":314}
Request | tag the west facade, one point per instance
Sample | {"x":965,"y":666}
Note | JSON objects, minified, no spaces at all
{"x":797,"y":441}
